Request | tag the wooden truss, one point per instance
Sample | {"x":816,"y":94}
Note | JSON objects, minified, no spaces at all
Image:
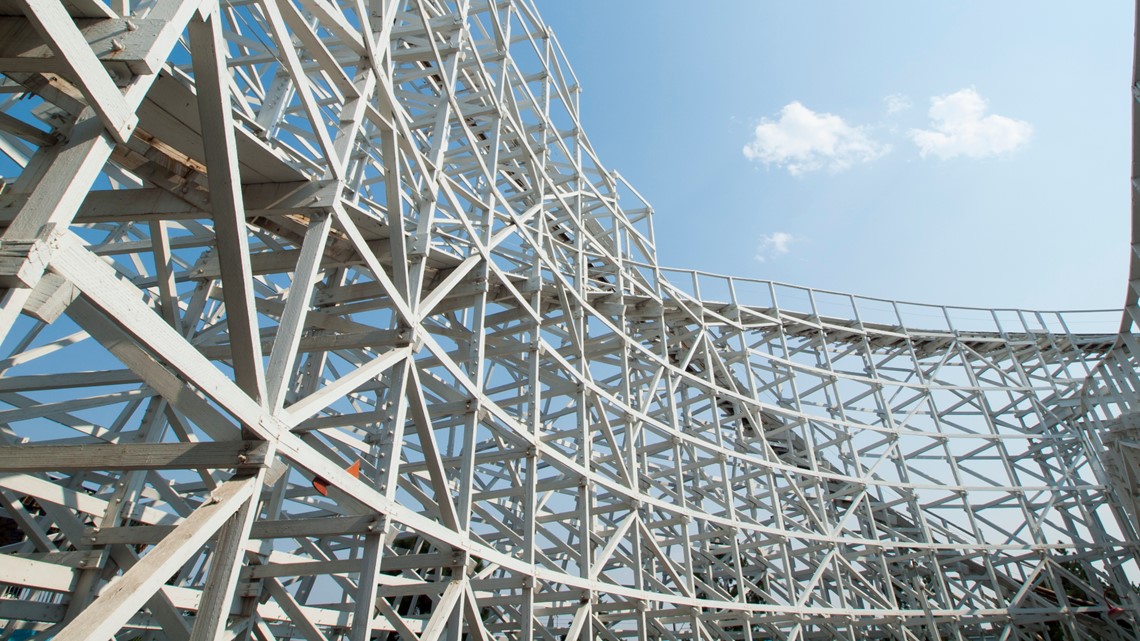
{"x":323,"y":321}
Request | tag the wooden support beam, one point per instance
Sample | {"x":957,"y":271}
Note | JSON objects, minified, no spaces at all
{"x":422,"y":419}
{"x":208,"y":49}
{"x":282,"y":358}
{"x":443,"y":610}
{"x":113,"y":41}
{"x":35,"y":574}
{"x":133,"y":456}
{"x":364,"y":609}
{"x":226,"y":563}
{"x":121,"y":599}
{"x":266,"y":529}
{"x":57,"y":28}
{"x":173,"y":624}
{"x":293,"y":609}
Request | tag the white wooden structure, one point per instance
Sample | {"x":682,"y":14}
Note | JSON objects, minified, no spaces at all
{"x":322,"y":321}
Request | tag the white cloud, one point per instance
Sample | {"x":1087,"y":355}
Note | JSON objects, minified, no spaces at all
{"x":803,"y":140}
{"x":961,"y":128}
{"x":773,"y":245}
{"x":897,"y":103}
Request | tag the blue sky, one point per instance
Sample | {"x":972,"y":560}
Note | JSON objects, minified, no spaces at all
{"x":966,"y":153}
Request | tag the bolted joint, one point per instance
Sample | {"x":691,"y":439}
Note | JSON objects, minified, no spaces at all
{"x":460,"y":560}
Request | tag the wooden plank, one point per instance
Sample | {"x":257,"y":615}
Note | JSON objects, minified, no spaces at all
{"x":173,"y":104}
{"x":421,"y":416}
{"x":211,"y":74}
{"x":149,"y":204}
{"x":13,"y":609}
{"x":473,"y":616}
{"x":160,"y":605}
{"x":273,"y":529}
{"x":68,"y":380}
{"x":164,"y":268}
{"x":364,"y":610}
{"x":133,"y":456}
{"x":334,"y":391}
{"x":443,"y":610}
{"x":122,"y":598}
{"x":226,"y":563}
{"x":296,"y":613}
{"x":59,"y":31}
{"x":112,"y":41}
{"x":283,"y":357}
{"x":35,"y":574}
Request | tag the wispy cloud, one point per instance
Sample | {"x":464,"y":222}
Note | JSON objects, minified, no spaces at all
{"x":897,"y":103}
{"x":803,"y":140}
{"x":772,"y":245}
{"x":960,"y":127}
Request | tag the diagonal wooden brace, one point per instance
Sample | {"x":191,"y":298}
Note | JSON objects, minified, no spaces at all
{"x":122,"y":598}
{"x":56,"y":27}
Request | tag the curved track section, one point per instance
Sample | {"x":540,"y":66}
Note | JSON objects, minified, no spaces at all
{"x":323,"y":321}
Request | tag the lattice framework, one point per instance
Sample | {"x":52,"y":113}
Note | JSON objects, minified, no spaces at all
{"x":323,"y":321}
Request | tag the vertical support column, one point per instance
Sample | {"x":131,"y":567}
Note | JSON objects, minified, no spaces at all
{"x":365,"y":606}
{"x":225,"y":568}
{"x":208,"y":51}
{"x":387,"y":460}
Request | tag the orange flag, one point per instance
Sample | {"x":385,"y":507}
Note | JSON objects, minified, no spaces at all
{"x":321,"y":484}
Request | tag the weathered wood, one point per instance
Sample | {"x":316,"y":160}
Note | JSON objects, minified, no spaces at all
{"x":227,"y":206}
{"x":71,"y":49}
{"x":115,"y":604}
{"x":226,"y":563}
{"x":112,"y":41}
{"x":264,"y":529}
{"x":598,"y":447}
{"x":35,"y":574}
{"x":133,"y":456}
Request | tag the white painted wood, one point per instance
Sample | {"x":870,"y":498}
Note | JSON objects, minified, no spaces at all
{"x":598,"y":446}
{"x":149,"y":456}
{"x":57,"y":28}
{"x":279,"y":372}
{"x":226,"y":563}
{"x":35,"y":574}
{"x":115,"y":605}
{"x":226,"y":200}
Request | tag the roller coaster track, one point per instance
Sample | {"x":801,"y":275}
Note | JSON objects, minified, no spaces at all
{"x":322,"y":320}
